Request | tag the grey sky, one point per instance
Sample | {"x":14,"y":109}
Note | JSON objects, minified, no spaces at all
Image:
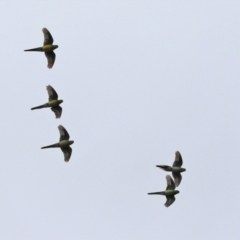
{"x":139,"y":80}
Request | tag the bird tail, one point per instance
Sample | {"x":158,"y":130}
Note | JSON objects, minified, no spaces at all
{"x":165,"y":168}
{"x":41,"y":106}
{"x":157,"y":193}
{"x":39,"y":49}
{"x":51,"y":146}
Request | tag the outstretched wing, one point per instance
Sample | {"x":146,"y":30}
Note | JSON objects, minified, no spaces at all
{"x":67,"y":151}
{"x":51,"y":58}
{"x":170,"y":183}
{"x":57,"y":110}
{"x":63,"y":133}
{"x":170,"y":201}
{"x":48,"y":39}
{"x":177,"y":178}
{"x":178,"y":160}
{"x":52,"y":94}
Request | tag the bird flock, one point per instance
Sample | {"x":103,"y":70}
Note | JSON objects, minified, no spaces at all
{"x":176,"y":170}
{"x":53,"y":101}
{"x":64,"y":142}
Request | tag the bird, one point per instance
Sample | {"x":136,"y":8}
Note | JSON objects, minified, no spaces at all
{"x":64,"y":143}
{"x":176,"y":168}
{"x":169,"y":193}
{"x":53,"y":102}
{"x":47,"y":48}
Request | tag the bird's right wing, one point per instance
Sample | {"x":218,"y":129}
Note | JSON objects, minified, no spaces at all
{"x":48,"y":39}
{"x":170,"y":201}
{"x":52,"y":94}
{"x":178,"y":160}
{"x":51,"y":58}
{"x":63,"y":133}
{"x":170,"y":183}
{"x":67,"y":151}
{"x":57,"y":110}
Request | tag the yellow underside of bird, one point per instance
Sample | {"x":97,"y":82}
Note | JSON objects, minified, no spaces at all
{"x":47,"y":48}
{"x":53,"y":103}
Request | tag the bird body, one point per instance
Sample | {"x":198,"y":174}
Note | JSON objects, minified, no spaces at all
{"x":165,"y":193}
{"x":170,"y":191}
{"x":176,"y":168}
{"x":53,"y":103}
{"x":47,"y":47}
{"x":64,"y":143}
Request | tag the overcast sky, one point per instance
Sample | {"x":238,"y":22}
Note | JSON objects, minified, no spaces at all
{"x":140,"y":80}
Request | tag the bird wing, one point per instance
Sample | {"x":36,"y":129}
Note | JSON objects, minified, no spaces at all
{"x":177,"y":178}
{"x":52,"y":94}
{"x":170,"y":183}
{"x":170,"y":201}
{"x":48,"y":39}
{"x":57,"y":110}
{"x":63,"y":133}
{"x":51,"y":58}
{"x":67,"y":151}
{"x":178,"y":160}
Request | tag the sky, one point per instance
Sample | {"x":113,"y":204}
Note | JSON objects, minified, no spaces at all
{"x":140,"y":80}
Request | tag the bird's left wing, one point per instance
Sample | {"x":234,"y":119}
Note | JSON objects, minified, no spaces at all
{"x":170,"y":183}
{"x":48,"y":39}
{"x":170,"y":201}
{"x":51,"y":58}
{"x":57,"y":110}
{"x":67,"y":151}
{"x":177,"y":178}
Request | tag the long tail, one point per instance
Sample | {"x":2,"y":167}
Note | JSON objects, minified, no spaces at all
{"x":165,"y":168}
{"x":157,"y":193}
{"x":51,"y":146}
{"x":39,"y":49}
{"x":41,"y":106}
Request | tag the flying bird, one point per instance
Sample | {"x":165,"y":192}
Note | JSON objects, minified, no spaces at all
{"x":176,"y":168}
{"x":53,"y":102}
{"x":47,"y":48}
{"x":64,"y":143}
{"x":169,"y":193}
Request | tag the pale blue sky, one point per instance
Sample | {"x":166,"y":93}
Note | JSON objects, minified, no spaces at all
{"x":139,"y":80}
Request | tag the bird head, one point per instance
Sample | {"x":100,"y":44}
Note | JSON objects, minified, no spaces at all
{"x":54,"y":47}
{"x":60,"y":101}
{"x":71,"y":142}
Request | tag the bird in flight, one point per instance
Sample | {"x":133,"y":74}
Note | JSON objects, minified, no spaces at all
{"x":176,"y":168}
{"x":47,"y":48}
{"x":53,"y":102}
{"x":64,"y":143}
{"x":169,"y":193}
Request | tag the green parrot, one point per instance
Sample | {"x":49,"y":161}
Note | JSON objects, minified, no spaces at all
{"x":64,"y":143}
{"x":169,"y":193}
{"x":53,"y":102}
{"x":47,"y":48}
{"x":175,"y":169}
